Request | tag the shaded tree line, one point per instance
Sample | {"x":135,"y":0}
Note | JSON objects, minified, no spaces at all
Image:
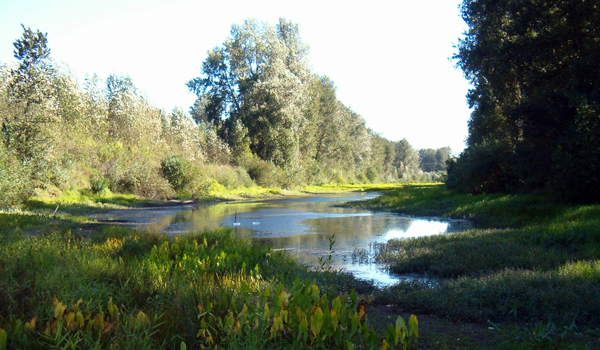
{"x":535,"y":123}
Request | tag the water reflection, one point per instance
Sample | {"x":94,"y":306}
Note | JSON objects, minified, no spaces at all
{"x":302,"y":226}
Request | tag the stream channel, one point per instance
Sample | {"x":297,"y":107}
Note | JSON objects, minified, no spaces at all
{"x":302,"y":226}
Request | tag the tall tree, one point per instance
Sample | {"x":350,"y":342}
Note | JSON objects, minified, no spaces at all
{"x":407,"y":160}
{"x":30,"y":97}
{"x":257,"y":76}
{"x":533,"y":65}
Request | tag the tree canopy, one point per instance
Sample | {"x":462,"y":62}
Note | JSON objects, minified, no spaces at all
{"x":259,"y":94}
{"x":261,"y":117}
{"x":535,"y":123}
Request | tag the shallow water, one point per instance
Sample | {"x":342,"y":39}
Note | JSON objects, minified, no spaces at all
{"x":302,"y":226}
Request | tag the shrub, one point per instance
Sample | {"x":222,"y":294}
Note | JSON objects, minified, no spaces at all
{"x":184,"y":177}
{"x":228,"y":176}
{"x":263,"y":173}
{"x":15,"y":183}
{"x":482,"y":168}
{"x":177,"y":170}
{"x":99,"y":184}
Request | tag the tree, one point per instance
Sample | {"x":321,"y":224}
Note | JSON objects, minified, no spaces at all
{"x":441,"y":157}
{"x":258,"y":77}
{"x":31,"y":98}
{"x":321,"y":132}
{"x":406,"y":160}
{"x":428,"y":160}
{"x":533,"y":67}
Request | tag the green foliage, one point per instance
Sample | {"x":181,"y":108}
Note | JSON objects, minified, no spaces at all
{"x":177,"y":171}
{"x":99,"y":184}
{"x":228,"y":176}
{"x":535,"y":99}
{"x":184,"y":177}
{"x":261,"y":117}
{"x":434,"y":160}
{"x":482,"y":168}
{"x":539,"y":336}
{"x":263,"y":173}
{"x":202,"y":289}
{"x":15,"y":183}
{"x":30,"y":95}
{"x":531,"y":259}
{"x":302,"y":318}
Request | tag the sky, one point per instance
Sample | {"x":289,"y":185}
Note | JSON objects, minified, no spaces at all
{"x":389,"y":59}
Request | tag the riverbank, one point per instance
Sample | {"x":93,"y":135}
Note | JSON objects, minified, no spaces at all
{"x":70,"y":281}
{"x":530,"y":270}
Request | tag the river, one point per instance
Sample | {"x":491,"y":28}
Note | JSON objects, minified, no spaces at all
{"x":302,"y":226}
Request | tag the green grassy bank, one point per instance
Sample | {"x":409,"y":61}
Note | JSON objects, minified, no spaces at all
{"x":530,"y":267}
{"x":110,"y":287}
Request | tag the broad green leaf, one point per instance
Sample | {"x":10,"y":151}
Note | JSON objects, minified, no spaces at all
{"x":401,"y":330}
{"x":390,"y":335}
{"x":316,"y":322}
{"x":303,"y":330}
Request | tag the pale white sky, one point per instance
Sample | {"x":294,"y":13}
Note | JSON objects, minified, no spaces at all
{"x":388,"y":59}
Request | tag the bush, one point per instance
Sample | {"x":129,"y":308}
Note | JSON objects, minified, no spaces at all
{"x":177,"y":170}
{"x":99,"y":183}
{"x":265,"y":174}
{"x":184,"y":177}
{"x":482,"y":168}
{"x":228,"y":176}
{"x":15,"y":182}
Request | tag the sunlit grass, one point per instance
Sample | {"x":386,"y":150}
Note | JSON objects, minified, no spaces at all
{"x":529,"y":259}
{"x":160,"y":286}
{"x":334,"y":187}
{"x":218,"y":191}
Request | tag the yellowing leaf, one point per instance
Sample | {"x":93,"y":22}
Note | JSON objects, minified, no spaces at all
{"x":142,"y":319}
{"x":361,"y":310}
{"x":303,"y":330}
{"x":277,"y":326}
{"x":59,"y":310}
{"x":316,"y":322}
{"x":414,"y":326}
{"x":79,"y":320}
{"x":334,"y":318}
{"x":71,"y":321}
{"x":30,"y":326}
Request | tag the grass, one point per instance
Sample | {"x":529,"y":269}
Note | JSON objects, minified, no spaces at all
{"x":335,"y":188}
{"x":531,"y":265}
{"x":119,"y":288}
{"x":527,"y":276}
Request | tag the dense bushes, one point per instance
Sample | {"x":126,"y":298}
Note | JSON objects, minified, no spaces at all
{"x":15,"y":184}
{"x":184,"y":177}
{"x":484,"y":168}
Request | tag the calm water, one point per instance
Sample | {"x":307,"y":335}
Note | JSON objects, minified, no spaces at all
{"x":302,"y":225}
